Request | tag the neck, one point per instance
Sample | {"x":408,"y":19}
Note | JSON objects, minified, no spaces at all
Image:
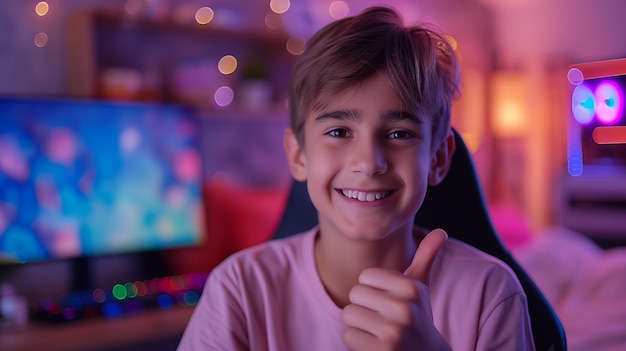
{"x":341,"y":260}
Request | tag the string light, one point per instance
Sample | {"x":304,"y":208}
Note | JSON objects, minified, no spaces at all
{"x":227,"y":64}
{"x":280,"y":6}
{"x":99,"y":295}
{"x":204,"y":15}
{"x":295,"y":46}
{"x":41,"y":39}
{"x":273,"y":21}
{"x":42,"y":8}
{"x":119,"y":291}
{"x":127,"y":298}
{"x":338,"y":9}
{"x":133,"y":7}
{"x":224,"y":96}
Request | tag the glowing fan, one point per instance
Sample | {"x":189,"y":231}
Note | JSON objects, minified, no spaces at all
{"x":583,"y":104}
{"x":609,"y":102}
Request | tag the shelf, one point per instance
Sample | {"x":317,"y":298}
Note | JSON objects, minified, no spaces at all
{"x":274,"y":38}
{"x":117,"y":57}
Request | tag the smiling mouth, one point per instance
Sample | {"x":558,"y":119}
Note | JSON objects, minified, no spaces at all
{"x":366,"y":196}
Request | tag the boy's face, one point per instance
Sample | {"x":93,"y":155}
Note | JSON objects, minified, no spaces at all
{"x":367,"y":161}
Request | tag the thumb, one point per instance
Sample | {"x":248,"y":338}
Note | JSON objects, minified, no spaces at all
{"x":425,"y":255}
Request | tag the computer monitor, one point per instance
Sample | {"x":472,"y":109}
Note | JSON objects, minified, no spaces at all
{"x":590,"y":197}
{"x":85,"y":178}
{"x":597,"y":130}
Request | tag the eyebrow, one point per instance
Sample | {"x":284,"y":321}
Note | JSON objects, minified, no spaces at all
{"x":340,"y":115}
{"x":354,"y":115}
{"x":399,"y":116}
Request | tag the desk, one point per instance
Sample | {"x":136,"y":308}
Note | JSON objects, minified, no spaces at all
{"x":100,"y":334}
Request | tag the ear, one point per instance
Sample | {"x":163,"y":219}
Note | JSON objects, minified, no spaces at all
{"x":295,"y":156}
{"x":442,"y":157}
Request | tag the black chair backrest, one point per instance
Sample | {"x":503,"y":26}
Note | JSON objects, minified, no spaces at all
{"x":456,"y":205}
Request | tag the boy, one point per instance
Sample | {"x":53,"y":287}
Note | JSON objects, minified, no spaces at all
{"x":370,"y":129}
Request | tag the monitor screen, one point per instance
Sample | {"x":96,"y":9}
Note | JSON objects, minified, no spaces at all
{"x":84,"y":178}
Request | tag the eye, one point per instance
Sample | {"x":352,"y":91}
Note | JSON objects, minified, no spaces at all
{"x":400,"y":134}
{"x":338,"y":133}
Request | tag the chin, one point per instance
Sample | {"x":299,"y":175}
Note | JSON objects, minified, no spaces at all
{"x":367,"y":232}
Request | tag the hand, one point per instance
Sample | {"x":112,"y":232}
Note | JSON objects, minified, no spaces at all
{"x":390,"y":310}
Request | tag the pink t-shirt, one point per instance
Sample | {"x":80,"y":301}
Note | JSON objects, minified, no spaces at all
{"x":270,"y":297}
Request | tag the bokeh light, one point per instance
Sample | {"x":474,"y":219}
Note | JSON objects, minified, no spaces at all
{"x":191,"y":298}
{"x":452,"y":41}
{"x":227,"y":64}
{"x":141,"y":287}
{"x":575,"y":76}
{"x":165,"y":301}
{"x":575,"y":159}
{"x":280,"y":6}
{"x":188,"y":166}
{"x":338,"y":9}
{"x":131,"y":290}
{"x":204,"y":15}
{"x":119,"y":291}
{"x":98,"y":295}
{"x":112,"y":310}
{"x":154,"y":286}
{"x":273,"y":21}
{"x":41,"y":39}
{"x":61,"y":146}
{"x":295,"y":46}
{"x":130,"y":139}
{"x":224,"y":96}
{"x":42,"y":8}
{"x":133,"y":7}
{"x":69,"y":313}
{"x":14,"y":164}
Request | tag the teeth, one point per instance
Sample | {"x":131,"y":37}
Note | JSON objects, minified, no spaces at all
{"x":365,"y":196}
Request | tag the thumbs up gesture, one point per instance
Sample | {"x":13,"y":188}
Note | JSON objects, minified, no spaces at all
{"x":390,"y":310}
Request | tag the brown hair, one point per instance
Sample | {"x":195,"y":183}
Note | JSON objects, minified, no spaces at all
{"x":419,"y":61}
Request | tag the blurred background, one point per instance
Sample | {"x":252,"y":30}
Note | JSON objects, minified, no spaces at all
{"x":229,"y":62}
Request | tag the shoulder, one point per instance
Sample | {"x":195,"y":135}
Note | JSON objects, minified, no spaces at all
{"x":457,"y":252}
{"x":270,"y":259}
{"x":477,"y":300}
{"x":460,"y":263}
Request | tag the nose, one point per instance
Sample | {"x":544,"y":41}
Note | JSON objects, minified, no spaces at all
{"x":368,"y":157}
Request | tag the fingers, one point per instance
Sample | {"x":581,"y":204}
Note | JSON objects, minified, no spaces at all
{"x":390,"y":304}
{"x":357,"y":339}
{"x":384,"y":319}
{"x":389,"y":309}
{"x":425,"y":255}
{"x":368,"y":330}
{"x":388,"y":281}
